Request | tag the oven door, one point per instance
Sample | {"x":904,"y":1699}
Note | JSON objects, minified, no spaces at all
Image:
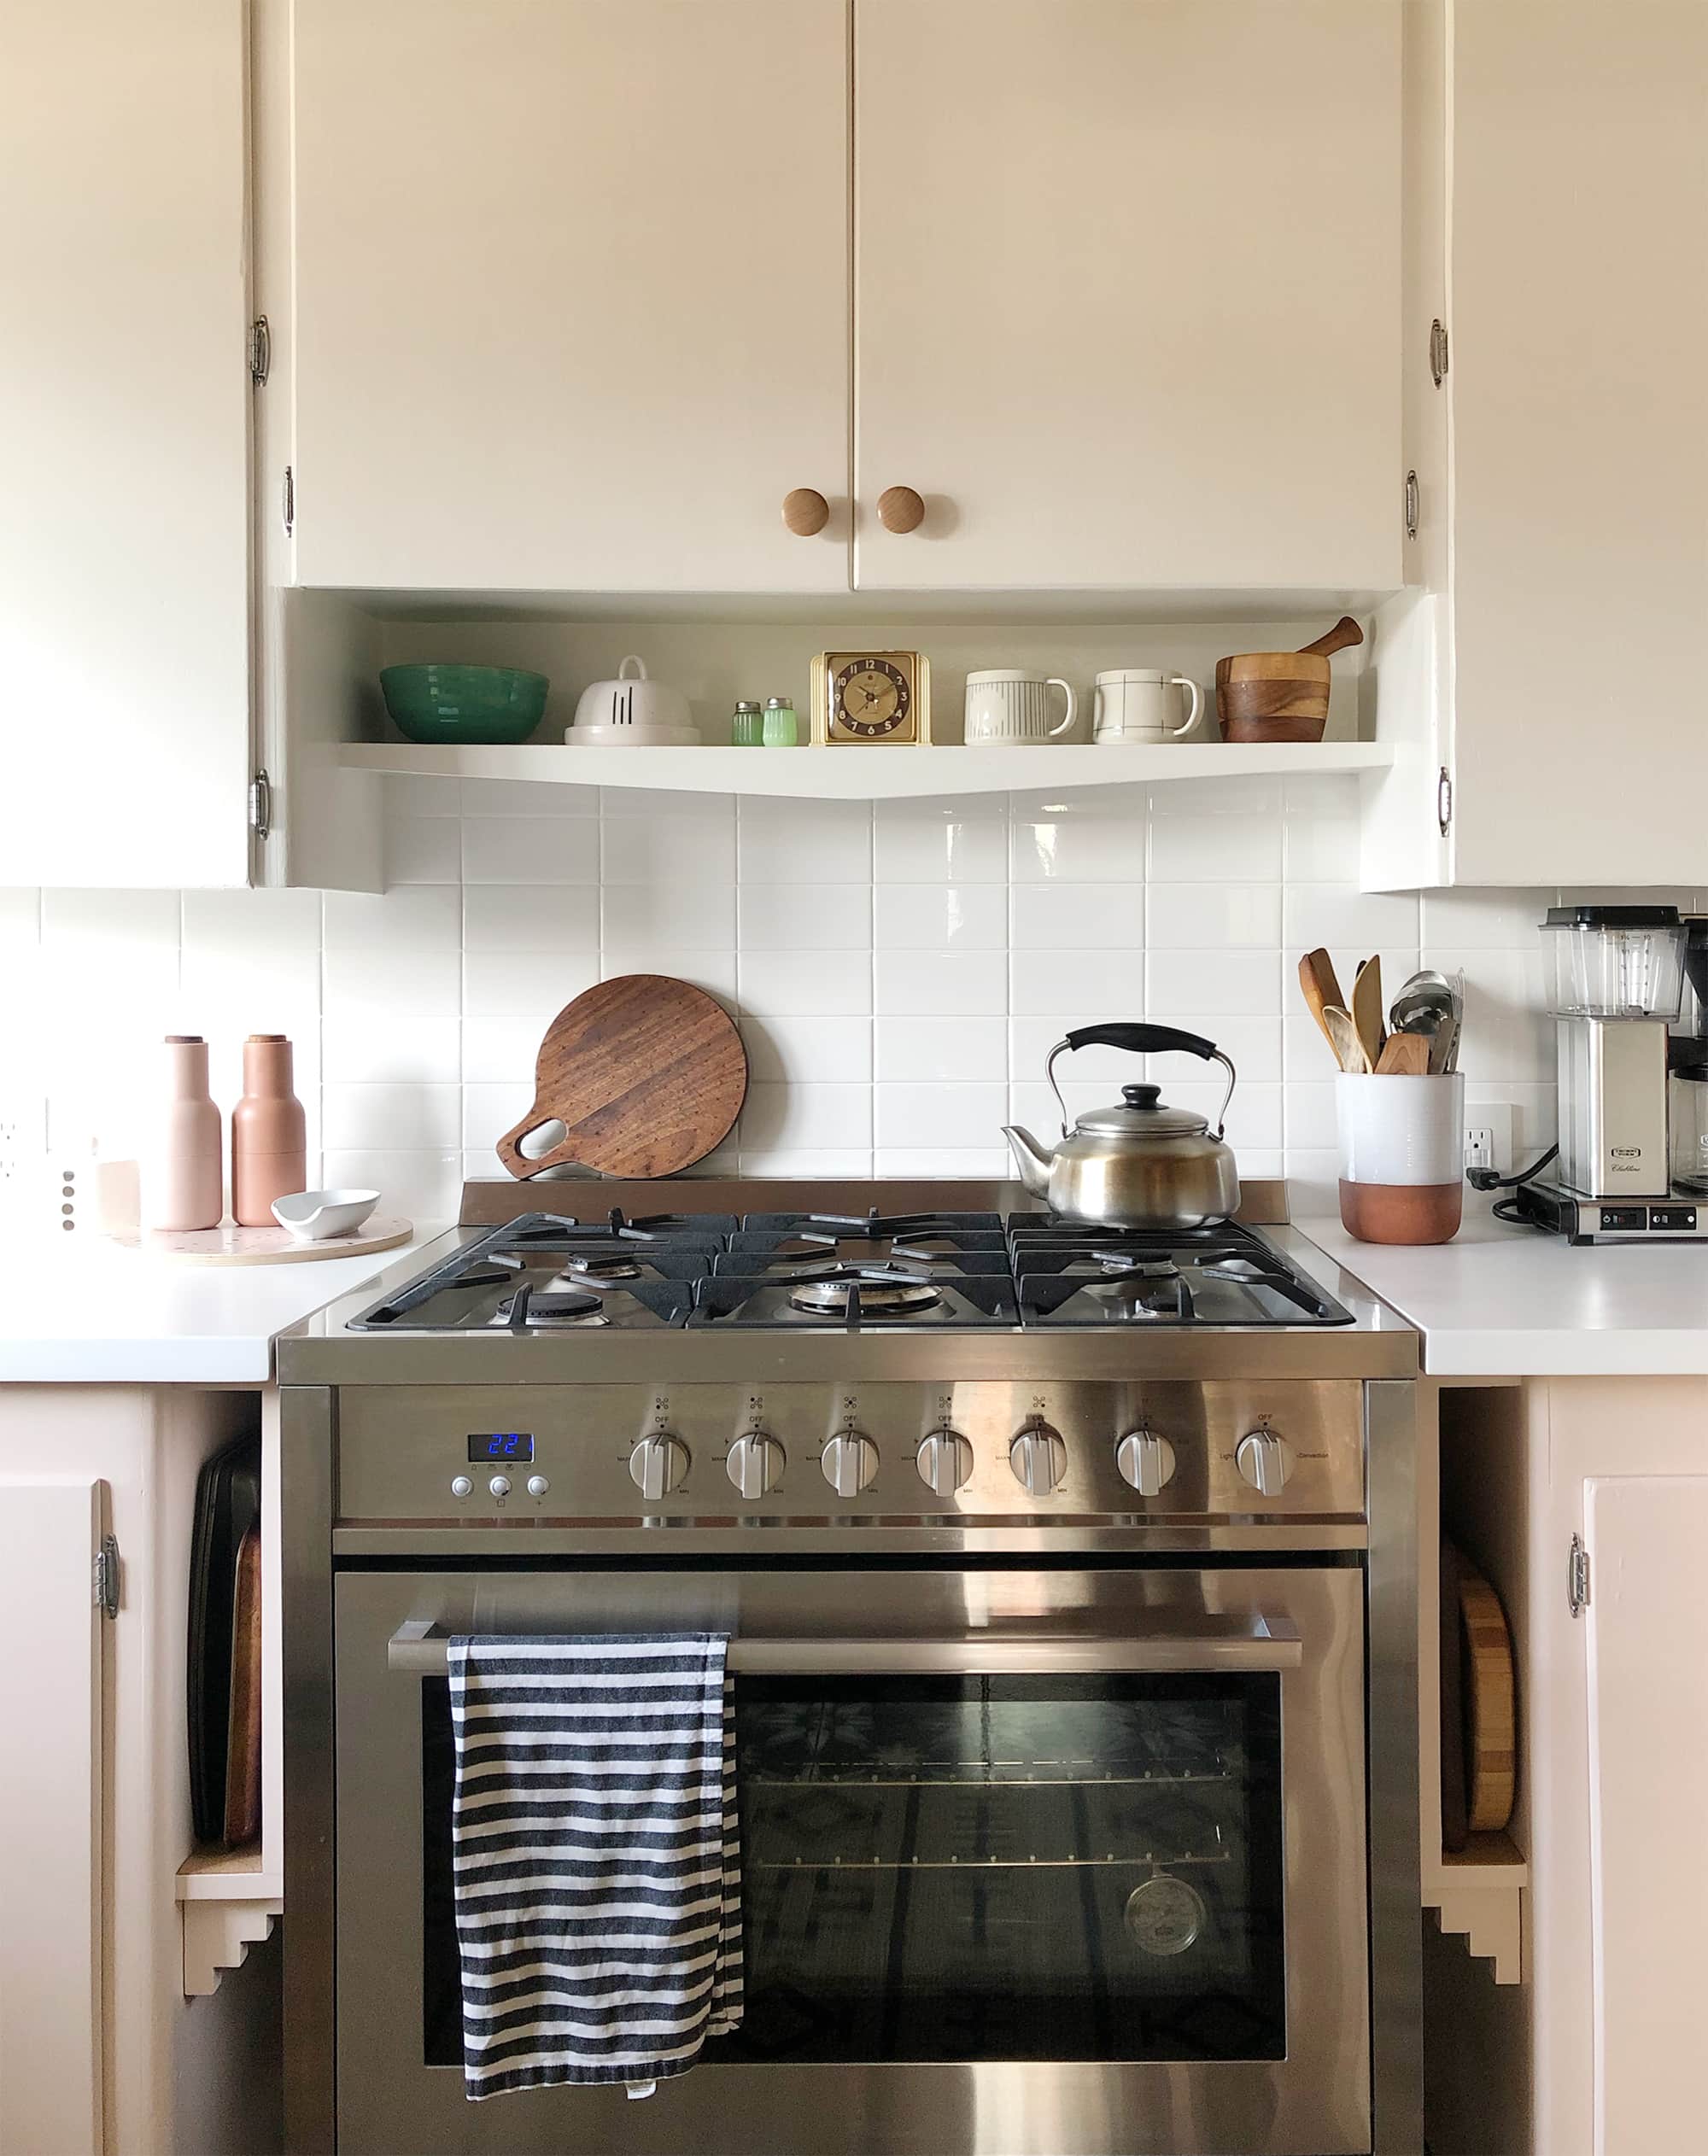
{"x":1035,"y":1863}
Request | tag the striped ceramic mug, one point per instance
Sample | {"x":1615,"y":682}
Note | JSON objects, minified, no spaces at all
{"x":1005,"y":704}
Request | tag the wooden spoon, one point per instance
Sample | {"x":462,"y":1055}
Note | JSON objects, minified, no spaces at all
{"x":1341,"y":637}
{"x":1367,"y":1011}
{"x":1343,"y":1038}
{"x":1404,"y":1055}
{"x":1320,"y":987}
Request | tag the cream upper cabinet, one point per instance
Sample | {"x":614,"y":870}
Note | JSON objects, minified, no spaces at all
{"x":124,"y":445}
{"x":1564,"y":460}
{"x":570,"y":306}
{"x":1126,"y":292}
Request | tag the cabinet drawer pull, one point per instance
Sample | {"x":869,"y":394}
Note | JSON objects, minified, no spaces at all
{"x":806,"y":512}
{"x":900,"y":509}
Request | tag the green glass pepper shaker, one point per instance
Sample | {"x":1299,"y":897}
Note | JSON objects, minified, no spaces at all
{"x":747,"y":728}
{"x":781,"y":731}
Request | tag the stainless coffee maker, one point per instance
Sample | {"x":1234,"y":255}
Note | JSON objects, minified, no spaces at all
{"x":1616,"y":988}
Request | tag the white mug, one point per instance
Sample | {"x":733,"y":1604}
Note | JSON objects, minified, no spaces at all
{"x":1130,"y":704}
{"x":1005,"y":704}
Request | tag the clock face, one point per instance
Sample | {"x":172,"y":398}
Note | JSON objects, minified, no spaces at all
{"x":870,"y":698}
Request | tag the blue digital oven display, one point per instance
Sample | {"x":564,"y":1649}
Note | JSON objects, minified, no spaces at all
{"x":501,"y":1444}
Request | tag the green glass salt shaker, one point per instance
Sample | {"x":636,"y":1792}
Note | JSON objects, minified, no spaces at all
{"x":747,"y":727}
{"x":781,"y":729}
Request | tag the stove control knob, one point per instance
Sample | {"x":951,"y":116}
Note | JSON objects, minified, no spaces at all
{"x":1038,"y":1458}
{"x":850,"y":1462}
{"x":754,"y":1463}
{"x":1146,"y":1461}
{"x":946,"y":1460}
{"x":500,"y":1486}
{"x":1264,"y":1460}
{"x":461,"y":1486}
{"x":537,"y":1486}
{"x":658,"y":1464}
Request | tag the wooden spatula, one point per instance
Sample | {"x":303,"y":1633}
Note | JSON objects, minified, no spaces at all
{"x":1319,"y":988}
{"x":1367,"y":1010}
{"x":1404,"y":1055}
{"x":1344,"y":1039}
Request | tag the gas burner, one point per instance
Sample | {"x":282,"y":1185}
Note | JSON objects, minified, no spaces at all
{"x":557,"y":1310}
{"x":865,"y":1290}
{"x":1123,"y":1263}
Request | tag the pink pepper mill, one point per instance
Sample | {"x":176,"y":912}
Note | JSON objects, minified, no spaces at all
{"x":186,"y":1178}
{"x":269,"y":1133}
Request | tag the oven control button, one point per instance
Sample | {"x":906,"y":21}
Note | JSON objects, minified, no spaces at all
{"x":500,"y":1486}
{"x":946,"y":1460}
{"x":756,"y":1463}
{"x":537,"y":1486}
{"x":461,"y":1486}
{"x":850,"y":1462}
{"x":658,"y":1464}
{"x":1264,"y":1460}
{"x":1146,"y":1461}
{"x":1038,"y":1458}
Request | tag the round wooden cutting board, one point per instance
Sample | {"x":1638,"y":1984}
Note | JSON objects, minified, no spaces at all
{"x":1491,"y":1730}
{"x":646,"y":1074}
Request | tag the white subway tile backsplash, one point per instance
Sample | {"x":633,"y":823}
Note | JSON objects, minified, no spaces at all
{"x":900,"y":970}
{"x":531,"y":850}
{"x":530,"y":917}
{"x":1056,"y":916}
{"x":942,"y":983}
{"x":941,"y":1049}
{"x":1097,"y":983}
{"x":940,"y":917}
{"x":805,"y":984}
{"x":390,"y":1117}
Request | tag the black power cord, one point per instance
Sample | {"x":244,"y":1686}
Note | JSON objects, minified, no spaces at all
{"x":1486,"y":1179}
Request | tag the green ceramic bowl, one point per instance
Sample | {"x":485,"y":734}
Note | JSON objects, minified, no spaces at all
{"x":477,"y":704}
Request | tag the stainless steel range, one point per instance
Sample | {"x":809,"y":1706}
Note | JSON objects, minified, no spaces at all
{"x":1070,"y":1578}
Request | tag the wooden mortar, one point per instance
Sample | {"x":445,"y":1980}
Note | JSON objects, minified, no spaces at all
{"x":1280,"y":696}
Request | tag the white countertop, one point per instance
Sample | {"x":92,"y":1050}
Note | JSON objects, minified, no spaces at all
{"x":1510,"y":1302}
{"x":104,"y":1315}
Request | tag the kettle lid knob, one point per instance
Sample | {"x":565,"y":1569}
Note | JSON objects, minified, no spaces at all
{"x":1141,"y":1096}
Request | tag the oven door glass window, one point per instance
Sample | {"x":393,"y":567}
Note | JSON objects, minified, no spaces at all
{"x":967,"y":1868}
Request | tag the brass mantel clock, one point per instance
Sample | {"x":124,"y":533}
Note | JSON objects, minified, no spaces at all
{"x":870,"y":698}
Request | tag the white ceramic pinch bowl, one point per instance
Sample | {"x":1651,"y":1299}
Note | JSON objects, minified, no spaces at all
{"x":316,"y":1216}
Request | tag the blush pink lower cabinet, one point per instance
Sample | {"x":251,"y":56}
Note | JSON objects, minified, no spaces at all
{"x":101,"y":2051}
{"x":1596,"y":2049}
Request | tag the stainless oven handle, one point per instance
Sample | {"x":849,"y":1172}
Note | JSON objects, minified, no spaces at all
{"x":419,"y":1649}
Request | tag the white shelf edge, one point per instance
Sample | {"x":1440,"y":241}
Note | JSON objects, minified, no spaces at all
{"x":867,"y":774}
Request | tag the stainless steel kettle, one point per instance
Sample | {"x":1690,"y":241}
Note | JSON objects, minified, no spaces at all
{"x":1137,"y":1164}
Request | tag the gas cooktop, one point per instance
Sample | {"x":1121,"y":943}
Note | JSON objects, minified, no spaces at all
{"x":549,"y":1273}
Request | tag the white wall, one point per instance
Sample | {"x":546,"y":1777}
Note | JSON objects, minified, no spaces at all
{"x":898,"y":971}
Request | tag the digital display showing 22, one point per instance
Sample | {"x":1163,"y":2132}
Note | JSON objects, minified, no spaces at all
{"x":501,"y":1444}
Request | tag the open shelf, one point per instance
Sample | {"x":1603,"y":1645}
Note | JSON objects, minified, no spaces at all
{"x":225,"y":1875}
{"x":868,"y":774}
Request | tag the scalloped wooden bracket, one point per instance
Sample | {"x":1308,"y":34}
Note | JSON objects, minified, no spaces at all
{"x":217,"y":1935}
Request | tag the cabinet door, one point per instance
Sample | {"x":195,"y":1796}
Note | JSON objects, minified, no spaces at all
{"x":1580,"y":315}
{"x":51,"y":1879}
{"x":1648,"y":1758}
{"x":571,"y":293}
{"x":124,"y":444}
{"x":1127,"y":292}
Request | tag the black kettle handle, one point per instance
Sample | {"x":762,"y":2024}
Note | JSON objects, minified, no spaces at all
{"x":1139,"y":1038}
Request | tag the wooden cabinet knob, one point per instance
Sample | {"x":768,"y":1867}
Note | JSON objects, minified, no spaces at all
{"x":900,"y":509}
{"x":806,"y":512}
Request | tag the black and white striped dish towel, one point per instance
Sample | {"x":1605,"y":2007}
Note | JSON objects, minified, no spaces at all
{"x":593,"y":1830}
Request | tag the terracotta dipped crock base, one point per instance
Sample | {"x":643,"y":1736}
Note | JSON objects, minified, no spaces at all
{"x":1402,"y":1211}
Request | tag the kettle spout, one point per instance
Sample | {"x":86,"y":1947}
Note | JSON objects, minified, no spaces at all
{"x":1029,"y":1158}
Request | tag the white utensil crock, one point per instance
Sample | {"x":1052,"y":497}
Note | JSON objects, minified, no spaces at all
{"x":1006,"y":705}
{"x":1401,"y":1156}
{"x":1133,"y":704}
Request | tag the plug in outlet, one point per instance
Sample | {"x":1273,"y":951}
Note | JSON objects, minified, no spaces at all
{"x":1489,"y":1136}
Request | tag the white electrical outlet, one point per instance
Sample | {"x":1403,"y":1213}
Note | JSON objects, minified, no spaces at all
{"x":1489,"y":1136}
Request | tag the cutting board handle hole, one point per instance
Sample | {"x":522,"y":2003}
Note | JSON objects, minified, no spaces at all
{"x":534,"y":1144}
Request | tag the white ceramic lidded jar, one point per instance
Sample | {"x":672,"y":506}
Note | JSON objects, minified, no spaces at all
{"x":186,"y":1179}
